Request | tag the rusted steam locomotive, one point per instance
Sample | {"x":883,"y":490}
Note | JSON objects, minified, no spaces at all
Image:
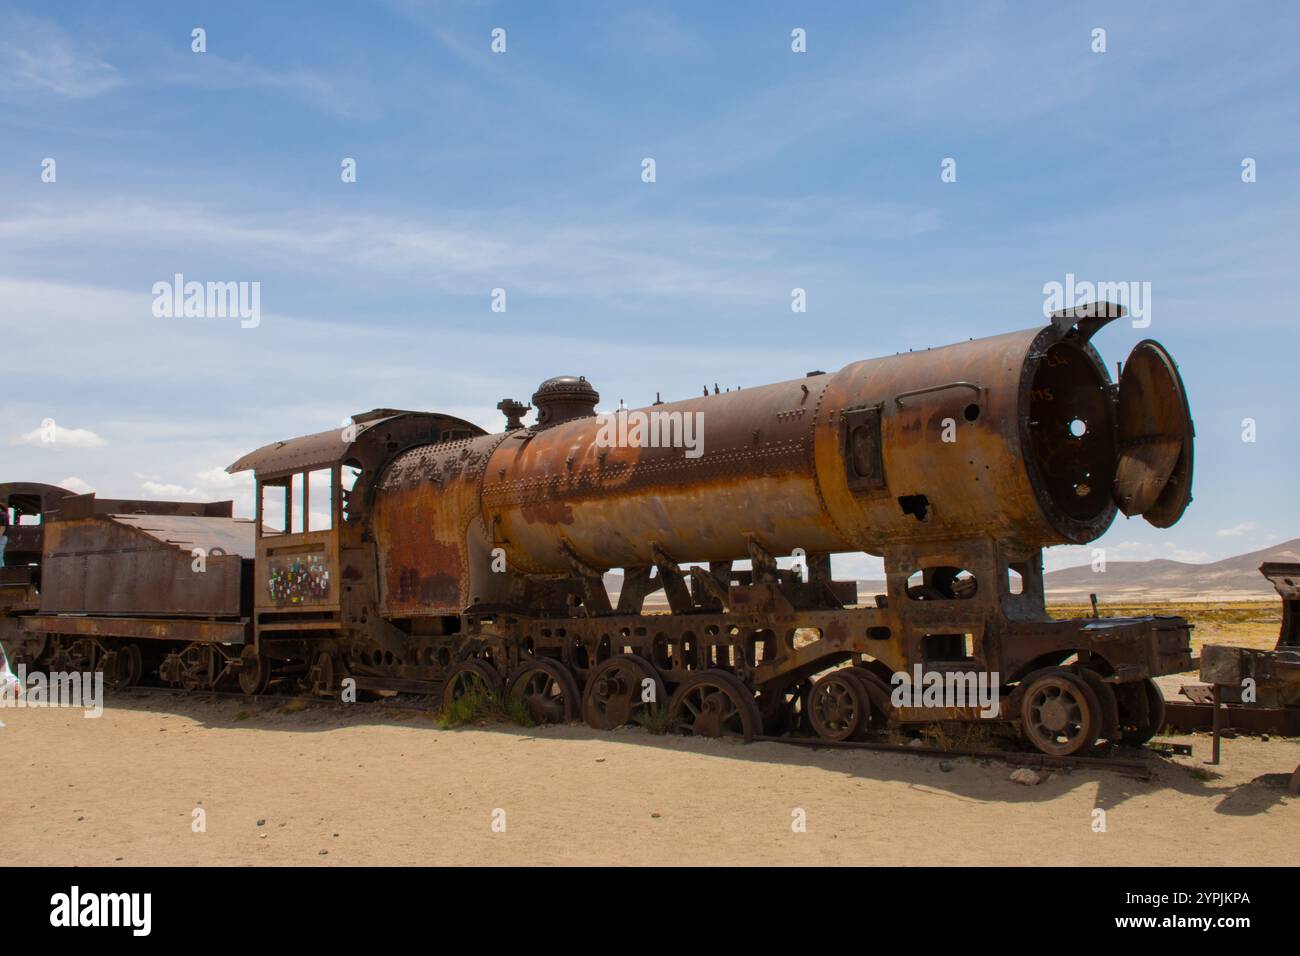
{"x":414,"y":552}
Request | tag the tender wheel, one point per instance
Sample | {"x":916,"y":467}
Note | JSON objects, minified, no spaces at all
{"x":547,"y":690}
{"x":254,"y":671}
{"x":470,"y":677}
{"x":124,"y":667}
{"x":1109,"y":729}
{"x":1059,"y":713}
{"x":714,"y":703}
{"x":838,"y":707}
{"x":1141,"y":711}
{"x":616,"y":689}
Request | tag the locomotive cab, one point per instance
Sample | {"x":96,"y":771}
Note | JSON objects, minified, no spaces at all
{"x":314,"y":561}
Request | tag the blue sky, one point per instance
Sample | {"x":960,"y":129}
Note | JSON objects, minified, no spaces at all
{"x":522,"y":171}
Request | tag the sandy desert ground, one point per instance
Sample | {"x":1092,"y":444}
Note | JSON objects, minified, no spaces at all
{"x":368,"y":784}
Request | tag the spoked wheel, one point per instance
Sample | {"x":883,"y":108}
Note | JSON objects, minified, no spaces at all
{"x":123,"y":667}
{"x":1141,"y":711}
{"x":714,"y":703}
{"x":547,"y":690}
{"x":1109,"y":729}
{"x":1059,"y":713}
{"x":254,"y":671}
{"x":470,"y":677}
{"x":838,"y":707}
{"x":619,"y":687}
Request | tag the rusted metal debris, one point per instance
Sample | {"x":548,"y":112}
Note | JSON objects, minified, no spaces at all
{"x":1285,"y":578}
{"x":462,"y":562}
{"x":1251,"y":690}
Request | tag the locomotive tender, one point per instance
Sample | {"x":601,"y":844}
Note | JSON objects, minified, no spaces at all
{"x":414,"y":552}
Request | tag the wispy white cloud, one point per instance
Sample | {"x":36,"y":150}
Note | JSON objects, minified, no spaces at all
{"x":219,"y":478}
{"x":50,"y":434}
{"x":230,"y":390}
{"x":1236,"y":530}
{"x":582,"y":256}
{"x":1069,"y":556}
{"x":614,"y":265}
{"x":76,"y":485}
{"x":210,"y":484}
{"x":38,"y":56}
{"x":159,"y":489}
{"x":330,"y":92}
{"x":386,"y":365}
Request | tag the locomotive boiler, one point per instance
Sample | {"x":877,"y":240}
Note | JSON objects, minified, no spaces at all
{"x":613,"y":567}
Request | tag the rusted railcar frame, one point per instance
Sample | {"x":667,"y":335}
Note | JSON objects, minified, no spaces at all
{"x":1274,"y":676}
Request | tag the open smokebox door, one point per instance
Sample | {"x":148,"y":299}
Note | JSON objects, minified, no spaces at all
{"x":1153,"y":477}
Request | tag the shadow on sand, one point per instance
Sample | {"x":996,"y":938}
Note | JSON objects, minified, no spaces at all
{"x":960,"y":778}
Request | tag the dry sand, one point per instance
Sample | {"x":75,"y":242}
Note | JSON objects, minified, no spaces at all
{"x":371,"y":785}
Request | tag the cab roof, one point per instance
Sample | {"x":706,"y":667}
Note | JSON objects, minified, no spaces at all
{"x":336,"y":445}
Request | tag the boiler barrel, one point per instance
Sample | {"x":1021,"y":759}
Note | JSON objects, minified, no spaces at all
{"x":1012,"y":436}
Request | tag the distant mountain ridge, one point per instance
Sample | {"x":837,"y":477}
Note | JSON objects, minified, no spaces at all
{"x":1161,"y":579}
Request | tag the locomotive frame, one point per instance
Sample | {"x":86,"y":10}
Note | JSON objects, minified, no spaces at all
{"x":454,"y":563}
